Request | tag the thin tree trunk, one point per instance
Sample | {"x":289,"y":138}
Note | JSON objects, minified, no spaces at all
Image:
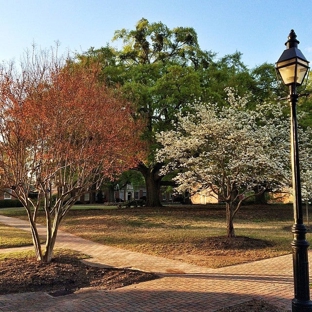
{"x":48,"y":255}
{"x":229,"y":219}
{"x":92,"y":193}
{"x":36,"y":241}
{"x":50,"y":243}
{"x":260,"y":197}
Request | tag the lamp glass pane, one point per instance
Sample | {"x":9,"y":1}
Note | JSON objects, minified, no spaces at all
{"x":293,"y":70}
{"x":303,"y":62}
{"x":286,"y":62}
{"x":288,"y":73}
{"x":302,"y":68}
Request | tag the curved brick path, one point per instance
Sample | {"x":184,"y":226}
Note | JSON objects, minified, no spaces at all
{"x":183,"y":287}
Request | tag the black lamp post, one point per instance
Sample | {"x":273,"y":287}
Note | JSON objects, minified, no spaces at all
{"x":293,"y":67}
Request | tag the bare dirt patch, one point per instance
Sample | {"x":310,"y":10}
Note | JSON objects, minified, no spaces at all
{"x":235,"y":243}
{"x":226,"y":251}
{"x":218,"y":251}
{"x":252,"y":306}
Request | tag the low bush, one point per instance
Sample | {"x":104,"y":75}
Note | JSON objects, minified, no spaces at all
{"x":7,"y":203}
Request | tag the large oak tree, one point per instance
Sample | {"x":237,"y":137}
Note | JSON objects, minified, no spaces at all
{"x":163,"y":71}
{"x":158,"y":70}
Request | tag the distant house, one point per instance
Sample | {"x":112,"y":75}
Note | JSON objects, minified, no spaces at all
{"x":204,"y":197}
{"x":128,"y":192}
{"x":6,"y":194}
{"x":284,"y":197}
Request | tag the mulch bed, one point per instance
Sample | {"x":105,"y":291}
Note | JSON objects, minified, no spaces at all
{"x":63,"y":275}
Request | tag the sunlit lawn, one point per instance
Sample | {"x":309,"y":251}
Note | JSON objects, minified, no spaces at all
{"x":188,"y":233}
{"x":13,"y":237}
{"x":31,"y":254}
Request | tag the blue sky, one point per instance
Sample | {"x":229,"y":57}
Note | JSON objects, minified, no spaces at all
{"x":256,"y":28}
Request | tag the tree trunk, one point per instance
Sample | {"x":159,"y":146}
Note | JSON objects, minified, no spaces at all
{"x":51,"y":239}
{"x":50,"y":242}
{"x":93,"y":194}
{"x":36,"y":241}
{"x":229,"y":219}
{"x":152,"y":182}
{"x":260,"y":197}
{"x":48,"y":255}
{"x":152,"y":192}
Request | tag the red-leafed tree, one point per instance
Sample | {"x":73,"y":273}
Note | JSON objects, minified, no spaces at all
{"x":61,"y":132}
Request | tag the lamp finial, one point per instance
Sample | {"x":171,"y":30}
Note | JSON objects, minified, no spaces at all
{"x":292,"y":41}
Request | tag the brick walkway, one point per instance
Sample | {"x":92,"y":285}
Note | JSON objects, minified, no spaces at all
{"x":183,"y":287}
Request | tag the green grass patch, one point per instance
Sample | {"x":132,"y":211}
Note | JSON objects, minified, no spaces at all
{"x":13,"y":212}
{"x":93,"y":207}
{"x":17,"y":255}
{"x":31,"y":254}
{"x":20,"y":211}
{"x":13,"y":237}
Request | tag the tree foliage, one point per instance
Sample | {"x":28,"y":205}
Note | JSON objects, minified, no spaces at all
{"x":157,"y":69}
{"x":163,"y":71}
{"x":61,"y":132}
{"x":305,"y":101}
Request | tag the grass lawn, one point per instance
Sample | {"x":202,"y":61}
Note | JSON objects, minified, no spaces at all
{"x":194,"y":234}
{"x":13,"y":237}
{"x":27,"y":254}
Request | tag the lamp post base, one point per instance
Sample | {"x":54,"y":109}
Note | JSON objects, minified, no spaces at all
{"x":301,"y":306}
{"x":301,"y":302}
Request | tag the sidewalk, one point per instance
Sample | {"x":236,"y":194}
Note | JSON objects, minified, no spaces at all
{"x":183,"y":287}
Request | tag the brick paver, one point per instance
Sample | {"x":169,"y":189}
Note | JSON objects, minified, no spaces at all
{"x":183,"y":287}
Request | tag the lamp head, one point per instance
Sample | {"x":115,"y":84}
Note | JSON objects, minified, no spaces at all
{"x":292,"y":66}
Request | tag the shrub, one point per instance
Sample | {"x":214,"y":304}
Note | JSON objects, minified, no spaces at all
{"x":7,"y":203}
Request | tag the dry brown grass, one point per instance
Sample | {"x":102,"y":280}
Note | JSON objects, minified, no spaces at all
{"x":13,"y":237}
{"x":194,"y":234}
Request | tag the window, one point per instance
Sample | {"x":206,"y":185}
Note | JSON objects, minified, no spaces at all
{"x":7,"y":194}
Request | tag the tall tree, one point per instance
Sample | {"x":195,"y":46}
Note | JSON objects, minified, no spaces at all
{"x":227,"y":72}
{"x":266,"y":86}
{"x":158,"y":69}
{"x":61,"y":133}
{"x":163,"y":71}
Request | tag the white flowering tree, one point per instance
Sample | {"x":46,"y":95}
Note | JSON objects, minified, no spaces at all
{"x":230,"y":151}
{"x":305,"y":154}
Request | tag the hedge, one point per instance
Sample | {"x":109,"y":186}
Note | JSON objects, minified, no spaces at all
{"x":7,"y":203}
